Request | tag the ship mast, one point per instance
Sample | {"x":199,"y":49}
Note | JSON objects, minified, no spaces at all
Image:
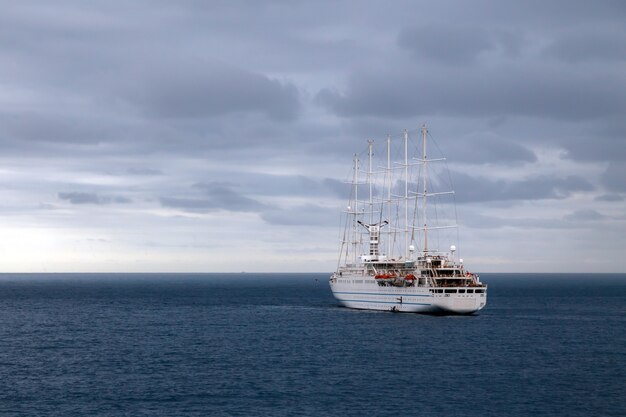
{"x":425,"y":162}
{"x":369,"y":180}
{"x":406,"y":194}
{"x":355,"y":208}
{"x":389,"y":192}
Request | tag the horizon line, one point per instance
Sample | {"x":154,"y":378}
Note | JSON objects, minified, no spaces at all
{"x":265,"y":272}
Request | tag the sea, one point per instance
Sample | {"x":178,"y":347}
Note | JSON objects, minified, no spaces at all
{"x":280,"y":345}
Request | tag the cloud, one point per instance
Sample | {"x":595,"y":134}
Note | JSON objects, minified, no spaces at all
{"x":614,"y":178}
{"x":449,"y":45}
{"x":261,"y":106}
{"x":475,"y":189}
{"x":506,"y":89}
{"x":216,"y":196}
{"x":144,"y":171}
{"x":602,"y":141}
{"x":261,"y":184}
{"x":610,"y":198}
{"x":92,"y":198}
{"x":51,"y":126}
{"x":483,"y":222}
{"x":196,"y":89}
{"x":304,"y":215}
{"x":584,"y":216}
{"x":578,"y":219}
{"x":495,"y":70}
{"x":488,"y":148}
{"x":233,"y":195}
{"x":596,"y":45}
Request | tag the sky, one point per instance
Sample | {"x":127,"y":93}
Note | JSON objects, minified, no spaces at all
{"x":216,"y":136}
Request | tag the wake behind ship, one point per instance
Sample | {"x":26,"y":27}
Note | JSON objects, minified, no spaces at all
{"x":388,"y":255}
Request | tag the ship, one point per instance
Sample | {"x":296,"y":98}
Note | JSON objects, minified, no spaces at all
{"x":389,"y":254}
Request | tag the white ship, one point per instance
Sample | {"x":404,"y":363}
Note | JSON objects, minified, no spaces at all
{"x":388,"y":256}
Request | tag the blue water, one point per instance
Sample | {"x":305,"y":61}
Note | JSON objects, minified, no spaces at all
{"x":279,"y":345}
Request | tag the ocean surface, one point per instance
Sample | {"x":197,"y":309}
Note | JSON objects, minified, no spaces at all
{"x":279,"y":345}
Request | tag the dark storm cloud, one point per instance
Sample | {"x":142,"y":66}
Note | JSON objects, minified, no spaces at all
{"x":90,"y":74}
{"x":215,"y":196}
{"x":51,"y":126}
{"x":614,"y":178}
{"x":260,"y":184}
{"x":92,"y":198}
{"x":305,"y":215}
{"x":602,"y":44}
{"x":475,"y":189}
{"x":610,"y":198}
{"x":80,"y":198}
{"x":605,"y":141}
{"x":196,"y":89}
{"x":338,"y":187}
{"x":584,"y":216}
{"x":144,"y":171}
{"x":233,"y":196}
{"x":450,"y":45}
{"x":482,"y":148}
{"x":518,"y":64}
{"x":184,"y":67}
{"x":573,"y":220}
{"x":492,"y":222}
{"x":507,"y":90}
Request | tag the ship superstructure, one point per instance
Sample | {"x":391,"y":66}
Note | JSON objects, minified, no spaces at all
{"x":386,"y":260}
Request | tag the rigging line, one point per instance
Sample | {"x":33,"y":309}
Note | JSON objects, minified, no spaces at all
{"x":382,"y":207}
{"x":346,"y":220}
{"x":434,"y":203}
{"x":415,"y":211}
{"x":456,"y":217}
{"x":395,"y":231}
{"x":413,"y":151}
{"x":343,"y":240}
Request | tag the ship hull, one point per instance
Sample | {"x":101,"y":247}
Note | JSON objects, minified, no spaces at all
{"x":365,"y":294}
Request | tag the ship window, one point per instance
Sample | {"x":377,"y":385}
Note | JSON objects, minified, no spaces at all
{"x":439,"y":291}
{"x":480,"y":291}
{"x":450,"y":291}
{"x":461,"y":291}
{"x":470,"y":291}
